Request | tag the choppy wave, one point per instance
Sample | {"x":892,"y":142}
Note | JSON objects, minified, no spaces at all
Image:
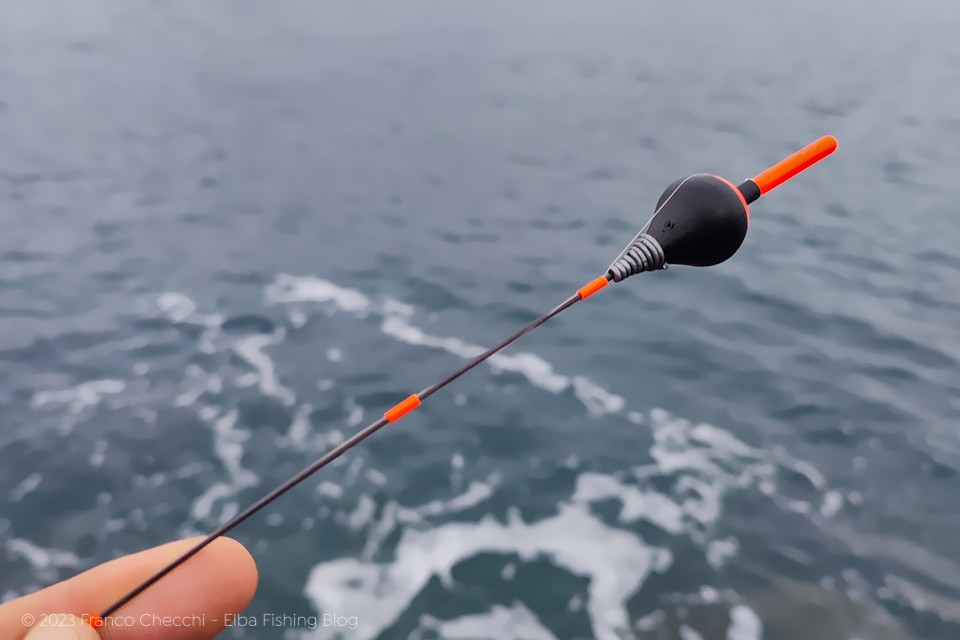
{"x":407,"y":546}
{"x":703,"y":462}
{"x":616,"y":560}
{"x":573,"y":540}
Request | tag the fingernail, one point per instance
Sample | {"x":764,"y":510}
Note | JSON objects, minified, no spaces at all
{"x":61,"y":627}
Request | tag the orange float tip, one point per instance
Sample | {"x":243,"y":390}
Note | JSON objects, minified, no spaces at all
{"x":788,"y":167}
{"x":93,"y":620}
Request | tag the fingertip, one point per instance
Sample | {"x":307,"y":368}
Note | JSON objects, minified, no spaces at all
{"x":195,"y":600}
{"x":244,"y":568}
{"x":62,"y":627}
{"x":220,"y":580}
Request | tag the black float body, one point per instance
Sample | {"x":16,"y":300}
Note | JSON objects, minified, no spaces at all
{"x":701,"y":220}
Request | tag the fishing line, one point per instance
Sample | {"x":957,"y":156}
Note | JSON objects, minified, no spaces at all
{"x":700,"y":221}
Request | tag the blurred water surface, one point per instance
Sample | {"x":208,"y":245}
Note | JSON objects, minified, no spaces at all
{"x":233,"y":233}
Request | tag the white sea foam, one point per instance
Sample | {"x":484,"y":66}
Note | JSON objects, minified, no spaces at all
{"x":300,"y":426}
{"x":704,"y":463}
{"x":832,"y":503}
{"x":921,"y":599}
{"x":251,"y":349}
{"x":396,"y":324}
{"x":399,"y":328}
{"x":200,"y":383}
{"x":805,"y":469}
{"x":188,"y":397}
{"x":353,"y":471}
{"x":393,"y":514}
{"x":744,"y":624}
{"x":354,"y":414}
{"x":203,"y":505}
{"x":719,"y":551}
{"x":297,"y":318}
{"x":227,"y":446}
{"x":798,"y":506}
{"x":540,"y":373}
{"x":636,"y":503}
{"x":245,"y":380}
{"x":288,"y":288}
{"x":616,"y":562}
{"x":329,"y":489}
{"x":42,"y":558}
{"x":362,"y":515}
{"x":393,"y":307}
{"x":80,"y":397}
{"x":376,"y":477}
{"x":228,"y":442}
{"x":176,"y":306}
{"x":26,"y":486}
{"x":703,"y":501}
{"x":651,"y":621}
{"x":595,"y":398}
{"x":689,"y":633}
{"x":99,"y":454}
{"x":708,"y":462}
{"x":499,"y":623}
{"x":475,"y":494}
{"x":709,"y":594}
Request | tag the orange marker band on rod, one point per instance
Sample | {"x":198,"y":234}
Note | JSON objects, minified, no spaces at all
{"x":402,"y":408}
{"x":789,"y":167}
{"x":588,"y":290}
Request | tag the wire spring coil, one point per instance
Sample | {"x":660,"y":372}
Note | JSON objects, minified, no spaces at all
{"x":643,"y":254}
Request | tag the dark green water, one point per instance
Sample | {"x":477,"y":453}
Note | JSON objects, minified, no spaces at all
{"x":234,"y":232}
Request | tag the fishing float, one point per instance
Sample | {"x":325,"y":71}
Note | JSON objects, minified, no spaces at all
{"x":699,"y":221}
